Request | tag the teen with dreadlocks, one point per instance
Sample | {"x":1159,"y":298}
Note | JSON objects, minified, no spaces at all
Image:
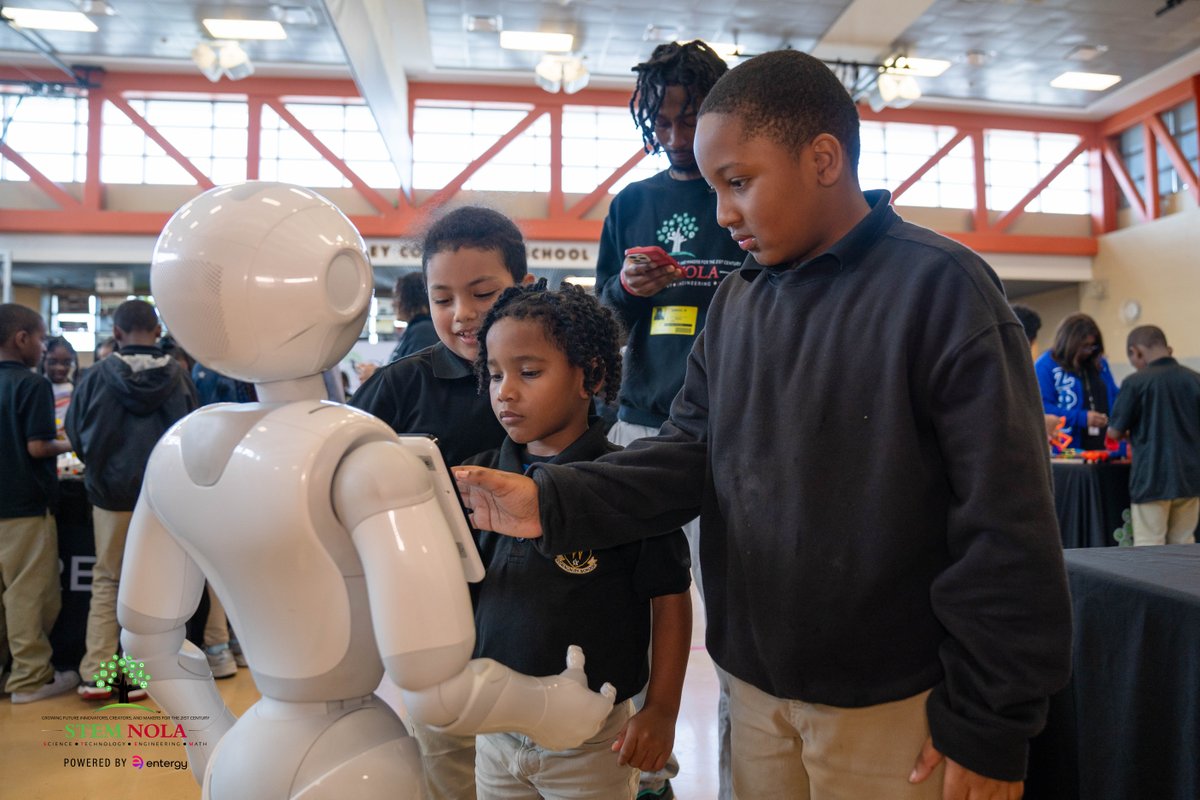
{"x":542,"y":357}
{"x":664,"y":307}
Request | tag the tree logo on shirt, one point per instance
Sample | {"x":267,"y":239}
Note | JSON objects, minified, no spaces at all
{"x":580,"y":562}
{"x":677,"y":230}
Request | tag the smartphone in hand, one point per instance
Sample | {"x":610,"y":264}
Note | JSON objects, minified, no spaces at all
{"x":652,"y":255}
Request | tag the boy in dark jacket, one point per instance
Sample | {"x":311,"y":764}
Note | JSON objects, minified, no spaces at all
{"x":121,"y":408}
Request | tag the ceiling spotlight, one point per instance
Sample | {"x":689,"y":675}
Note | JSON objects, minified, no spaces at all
{"x":97,"y":8}
{"x":222,"y":58}
{"x":482,"y":23}
{"x":660,"y":33}
{"x":1086,"y":52}
{"x":916,"y":67}
{"x":898,"y":91}
{"x":561,"y":72}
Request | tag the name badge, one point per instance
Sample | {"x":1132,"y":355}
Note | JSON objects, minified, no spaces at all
{"x":677,"y":320}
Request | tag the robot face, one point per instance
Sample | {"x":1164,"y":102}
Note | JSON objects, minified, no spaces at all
{"x":262,"y":281}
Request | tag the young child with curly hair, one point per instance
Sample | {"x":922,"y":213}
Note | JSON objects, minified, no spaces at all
{"x":542,"y":356}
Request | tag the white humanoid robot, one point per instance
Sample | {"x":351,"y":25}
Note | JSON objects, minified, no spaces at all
{"x":317,"y":527}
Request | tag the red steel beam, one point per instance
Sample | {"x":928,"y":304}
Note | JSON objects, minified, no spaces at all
{"x":56,"y":193}
{"x":1009,"y":216}
{"x":1117,"y":168}
{"x":202,"y":180}
{"x":908,"y":182}
{"x":1181,"y":165}
{"x":589,"y":201}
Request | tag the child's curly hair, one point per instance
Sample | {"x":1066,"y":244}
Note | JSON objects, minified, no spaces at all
{"x":574,"y":320}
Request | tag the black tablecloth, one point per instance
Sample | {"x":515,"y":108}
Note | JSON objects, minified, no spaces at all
{"x":1090,"y":499}
{"x":77,"y":556}
{"x":1128,"y":724}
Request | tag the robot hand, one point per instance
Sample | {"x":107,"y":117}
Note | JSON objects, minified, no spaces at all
{"x":577,"y":712}
{"x":558,"y":711}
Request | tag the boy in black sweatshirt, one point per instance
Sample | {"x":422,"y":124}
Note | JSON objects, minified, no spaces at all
{"x":860,"y":430}
{"x":120,"y":409}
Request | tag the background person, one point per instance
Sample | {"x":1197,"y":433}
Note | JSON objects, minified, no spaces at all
{"x":1076,"y":383}
{"x":664,"y":309}
{"x":1159,"y":411}
{"x":30,"y":594}
{"x":121,"y":408}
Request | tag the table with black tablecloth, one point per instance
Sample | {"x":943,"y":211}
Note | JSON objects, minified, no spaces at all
{"x":1090,"y":499}
{"x":1128,"y":724}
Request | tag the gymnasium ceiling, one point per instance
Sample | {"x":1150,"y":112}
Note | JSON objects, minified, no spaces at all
{"x":1003,"y":53}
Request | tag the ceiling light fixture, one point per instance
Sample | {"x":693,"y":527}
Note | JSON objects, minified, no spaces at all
{"x":40,"y":19}
{"x":535,"y":40}
{"x":1087,"y":81}
{"x":1086,"y":52}
{"x":227,"y":58}
{"x":660,"y":33}
{"x":244,"y":29}
{"x":561,"y":72}
{"x":482,"y":23}
{"x":916,"y":67}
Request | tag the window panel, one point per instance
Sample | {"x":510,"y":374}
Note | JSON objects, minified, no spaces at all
{"x":190,"y":141}
{"x":231,"y":115}
{"x":228,"y":170}
{"x":179,"y":113}
{"x":121,"y":169}
{"x":957,"y":195}
{"x":123,"y":141}
{"x":377,"y":174}
{"x":166,"y":171}
{"x":315,"y":173}
{"x":41,"y":137}
{"x":317,"y":117}
{"x":228,"y":143}
{"x":360,"y":118}
{"x":1011,"y":146}
{"x":920,"y":194}
{"x":291,"y":145}
{"x":366,"y":146}
{"x":57,"y":167}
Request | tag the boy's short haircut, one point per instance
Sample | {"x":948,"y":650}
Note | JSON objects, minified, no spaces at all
{"x":574,"y":320}
{"x":789,"y":97}
{"x":1030,"y":320}
{"x":694,"y":66}
{"x":135,"y":315}
{"x":1146,"y":336}
{"x":481,"y":229}
{"x":410,"y":292}
{"x":15,"y":318}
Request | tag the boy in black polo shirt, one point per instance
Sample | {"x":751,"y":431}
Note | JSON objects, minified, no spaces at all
{"x":469,"y":256}
{"x":28,"y":496}
{"x":1158,"y":409}
{"x":543,"y":355}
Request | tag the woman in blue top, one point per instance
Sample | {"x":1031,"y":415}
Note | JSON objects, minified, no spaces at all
{"x":1076,"y":383}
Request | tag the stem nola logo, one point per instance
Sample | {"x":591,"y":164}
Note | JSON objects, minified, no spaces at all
{"x":122,"y":675}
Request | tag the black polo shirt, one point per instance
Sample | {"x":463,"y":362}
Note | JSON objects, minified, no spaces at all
{"x":531,"y":606}
{"x":28,"y":485}
{"x":436,"y":392}
{"x":1159,"y":407}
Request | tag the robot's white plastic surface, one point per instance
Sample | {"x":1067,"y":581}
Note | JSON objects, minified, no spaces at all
{"x":320,"y":531}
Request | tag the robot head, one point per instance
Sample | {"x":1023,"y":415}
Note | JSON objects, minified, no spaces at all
{"x":262,"y":281}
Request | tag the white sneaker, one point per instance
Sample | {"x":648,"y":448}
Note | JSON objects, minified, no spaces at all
{"x":63,"y":682}
{"x":235,"y":647}
{"x":221,"y":661}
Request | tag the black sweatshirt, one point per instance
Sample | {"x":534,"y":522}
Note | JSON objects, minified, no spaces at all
{"x":680,"y":217}
{"x":862,"y":435}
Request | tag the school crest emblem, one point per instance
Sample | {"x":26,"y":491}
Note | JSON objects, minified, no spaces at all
{"x":580,"y":562}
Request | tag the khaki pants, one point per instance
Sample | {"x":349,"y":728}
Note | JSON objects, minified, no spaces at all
{"x":448,"y":761}
{"x":790,"y":750}
{"x":30,"y":598}
{"x":103,"y":634}
{"x":1165,"y":521}
{"x":510,"y":766}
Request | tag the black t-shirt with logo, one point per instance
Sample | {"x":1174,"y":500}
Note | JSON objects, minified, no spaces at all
{"x":530,"y":607}
{"x":681,"y":218}
{"x":28,"y":485}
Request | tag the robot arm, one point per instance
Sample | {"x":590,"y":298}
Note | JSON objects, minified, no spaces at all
{"x":421,"y":611}
{"x":160,"y":589}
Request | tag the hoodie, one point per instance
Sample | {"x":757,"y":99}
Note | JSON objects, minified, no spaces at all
{"x":121,"y":408}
